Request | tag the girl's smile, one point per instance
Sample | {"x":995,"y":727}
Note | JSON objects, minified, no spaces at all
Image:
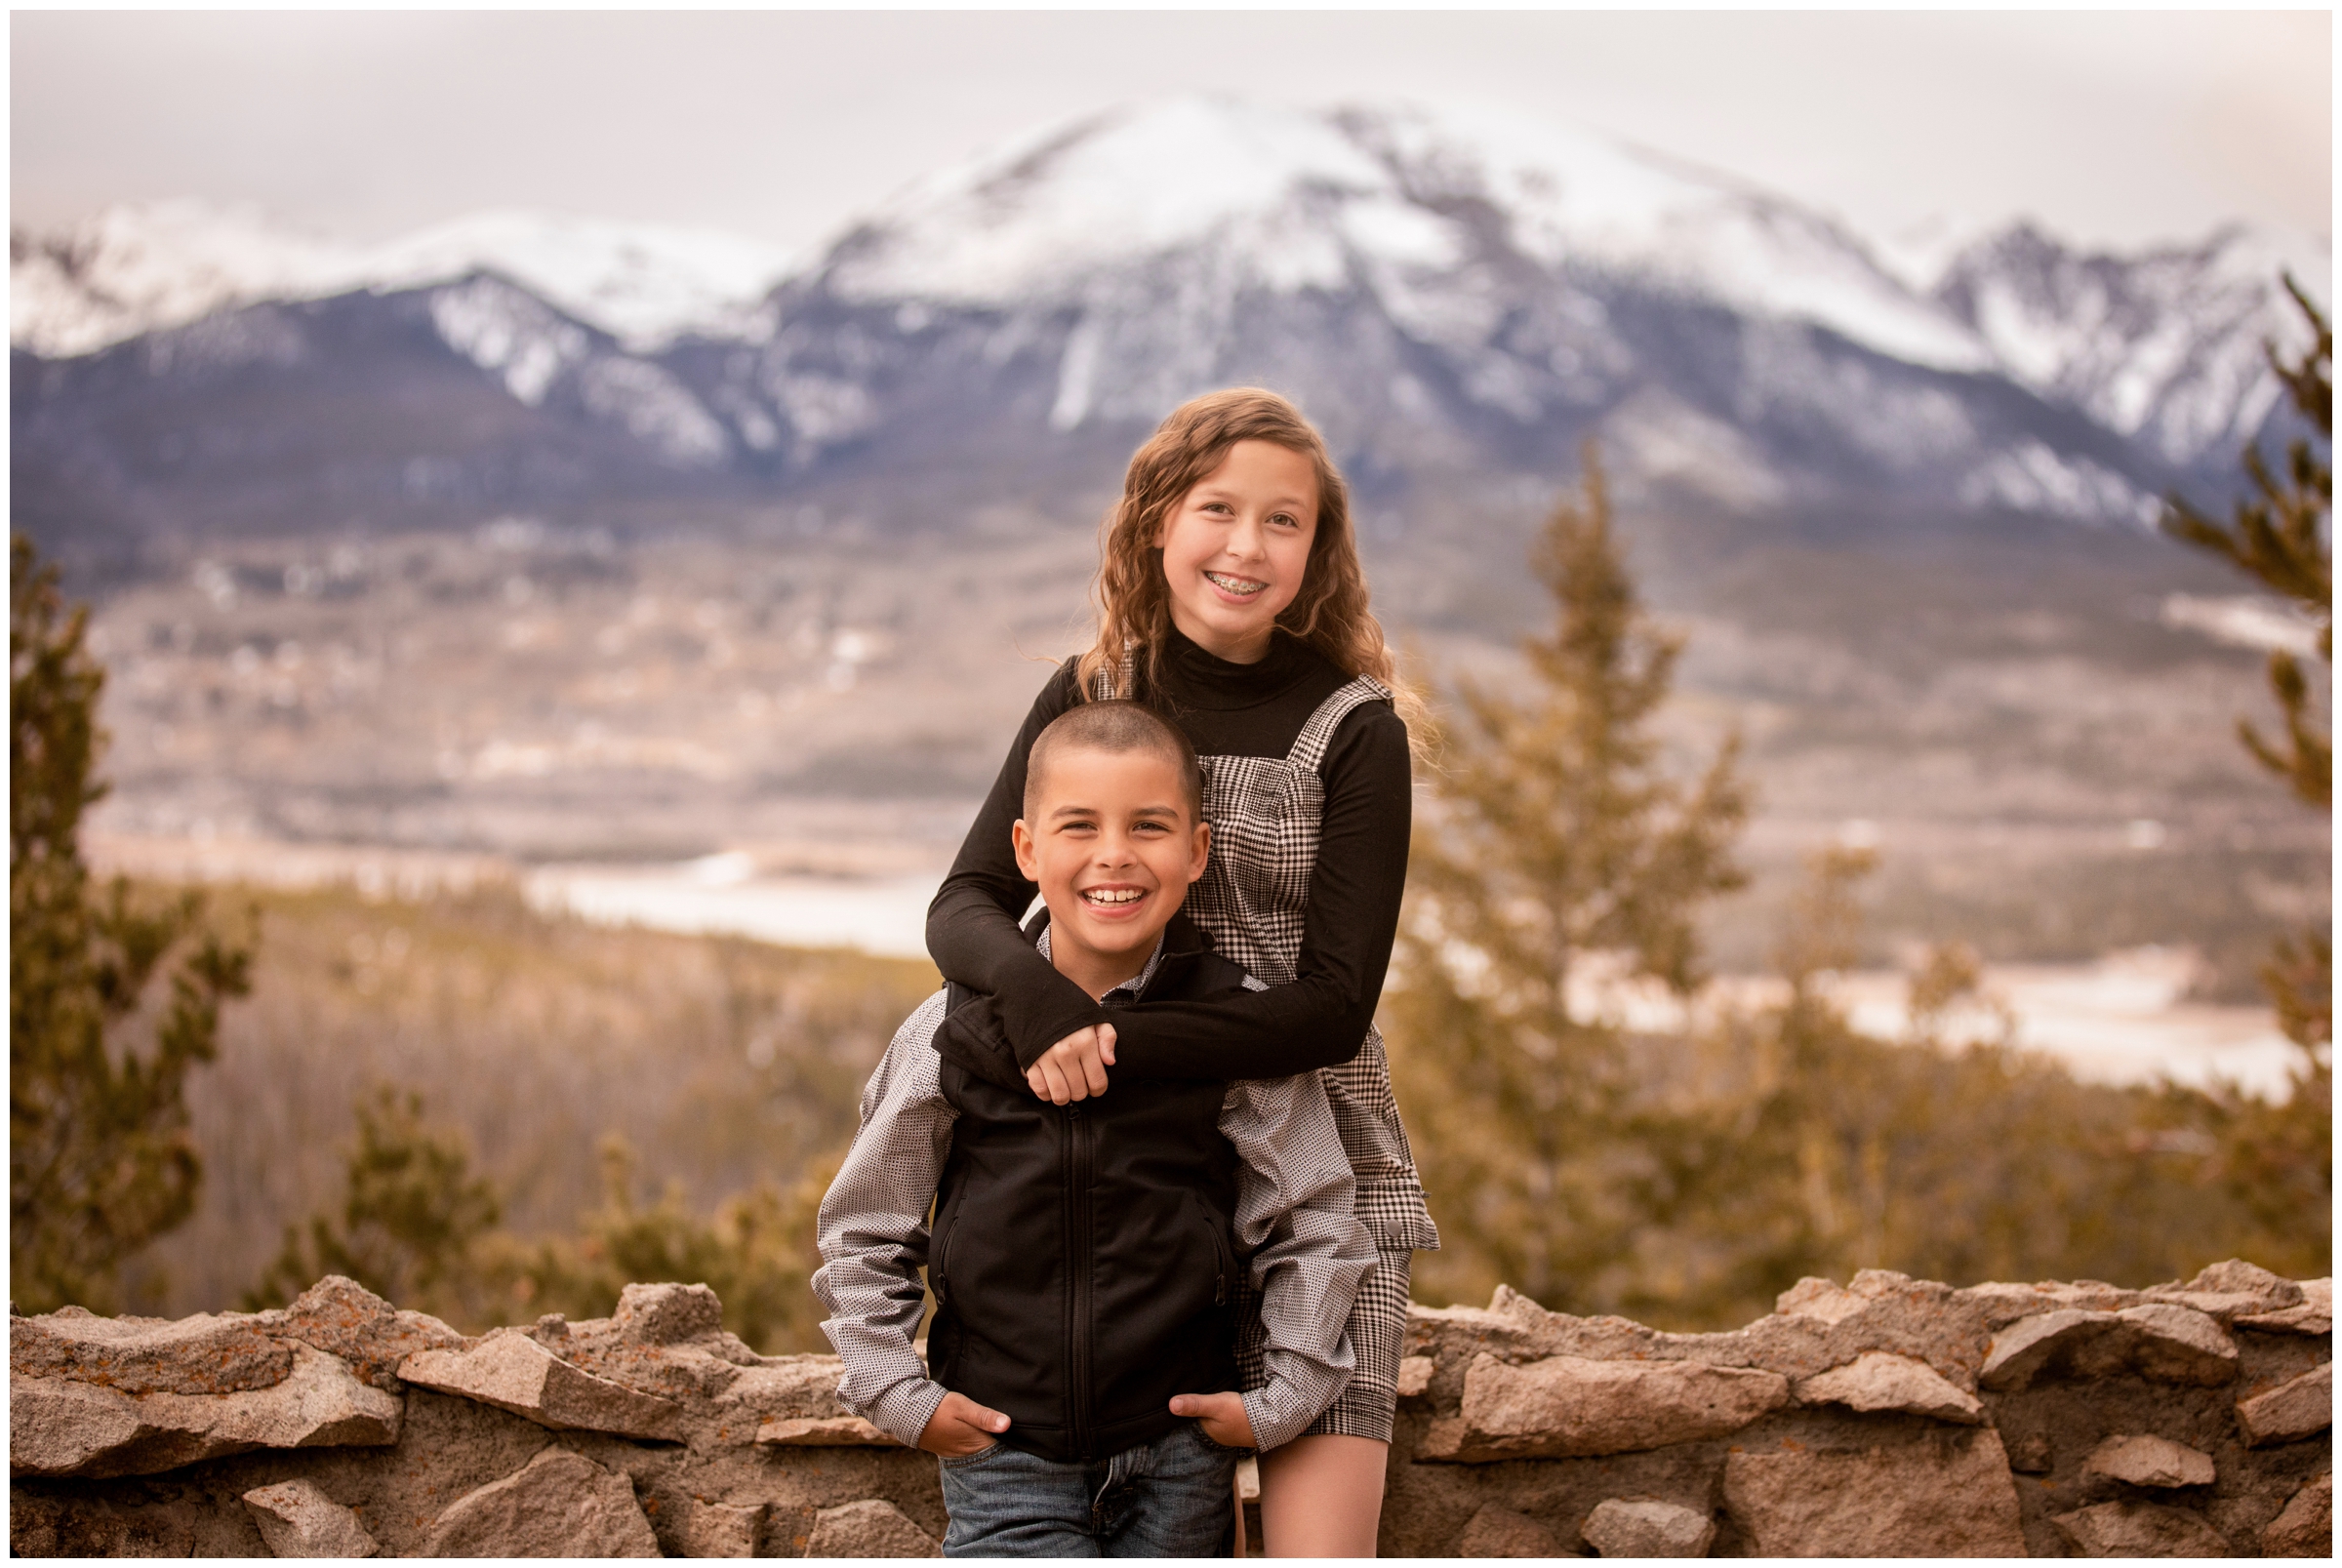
{"x":1237,"y":548}
{"x":1235,"y":587}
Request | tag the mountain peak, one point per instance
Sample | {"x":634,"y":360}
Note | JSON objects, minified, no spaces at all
{"x":1292,"y":199}
{"x":1048,"y":209}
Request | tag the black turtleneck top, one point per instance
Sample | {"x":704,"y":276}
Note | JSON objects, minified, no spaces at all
{"x":1227,"y":710}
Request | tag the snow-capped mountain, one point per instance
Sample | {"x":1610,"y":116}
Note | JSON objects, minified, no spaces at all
{"x":2165,"y":347}
{"x":138,"y":268}
{"x":1298,"y":202}
{"x":1448,"y":292}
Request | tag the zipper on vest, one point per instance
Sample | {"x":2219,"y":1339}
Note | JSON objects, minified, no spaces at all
{"x":1080,"y":1263}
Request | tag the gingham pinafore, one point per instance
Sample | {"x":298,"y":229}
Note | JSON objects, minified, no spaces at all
{"x":1267,"y":816}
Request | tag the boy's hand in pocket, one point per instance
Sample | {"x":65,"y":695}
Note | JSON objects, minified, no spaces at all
{"x":1223,"y":1417}
{"x":961,"y":1426}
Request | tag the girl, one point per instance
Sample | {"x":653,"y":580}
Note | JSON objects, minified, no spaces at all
{"x":1231,"y":599}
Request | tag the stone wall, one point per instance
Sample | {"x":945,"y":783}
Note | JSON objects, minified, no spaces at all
{"x":1884,"y":1418}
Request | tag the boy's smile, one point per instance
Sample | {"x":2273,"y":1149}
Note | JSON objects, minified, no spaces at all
{"x":1113,"y":844}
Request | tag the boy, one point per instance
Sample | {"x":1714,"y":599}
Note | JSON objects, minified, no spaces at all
{"x":1083,"y":1256}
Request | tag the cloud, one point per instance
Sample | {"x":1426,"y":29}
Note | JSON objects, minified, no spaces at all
{"x":2108,"y":126}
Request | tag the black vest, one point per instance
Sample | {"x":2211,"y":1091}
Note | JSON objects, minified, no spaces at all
{"x":1084,"y":1260}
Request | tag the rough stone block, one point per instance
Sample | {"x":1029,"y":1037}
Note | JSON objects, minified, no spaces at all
{"x":723,"y":1529}
{"x":834,"y":1431}
{"x":343,"y":1318}
{"x":787,"y":1385}
{"x":2026,"y":1346}
{"x":227,"y":1353}
{"x":57,"y":1426}
{"x":514,"y":1372}
{"x":872,"y":1528}
{"x":1878,"y":1380}
{"x":1821,"y":1299}
{"x":2149,"y":1461}
{"x":1644,"y":1527}
{"x":668,"y":1315}
{"x":1415,"y":1376}
{"x":298,"y":1520}
{"x":2311,"y":1317}
{"x":559,"y":1504}
{"x":665,"y":1341}
{"x":2159,"y":1341}
{"x":1565,"y":1406}
{"x":2306,"y":1527}
{"x":1947,"y":1495}
{"x":2235,"y":1276}
{"x":2301,"y":1408}
{"x":1998,"y":1305}
{"x":2227,"y":1290}
{"x":2178,"y":1344}
{"x":2141,"y":1530}
{"x":1497,"y":1531}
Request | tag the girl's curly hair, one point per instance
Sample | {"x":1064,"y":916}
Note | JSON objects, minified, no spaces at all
{"x":1134,"y":599}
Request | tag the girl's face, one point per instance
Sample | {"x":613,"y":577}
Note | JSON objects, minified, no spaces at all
{"x":1236,"y":547}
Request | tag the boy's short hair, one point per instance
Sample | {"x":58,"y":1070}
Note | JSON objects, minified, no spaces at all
{"x":1115,"y":726}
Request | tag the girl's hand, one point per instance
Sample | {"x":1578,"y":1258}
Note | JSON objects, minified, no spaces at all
{"x":1074,"y":1067}
{"x":961,"y":1426}
{"x":1223,"y":1417}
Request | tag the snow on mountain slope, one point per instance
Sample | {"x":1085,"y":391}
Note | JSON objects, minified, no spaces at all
{"x":2165,"y":347}
{"x":1446,"y":289}
{"x":1041,"y":214}
{"x":1295,"y":199}
{"x":137,"y":268}
{"x":1575,"y":199}
{"x":643,"y":284}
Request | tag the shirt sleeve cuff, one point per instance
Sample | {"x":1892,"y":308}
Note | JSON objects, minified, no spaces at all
{"x":1284,"y":1411}
{"x":903,"y":1411}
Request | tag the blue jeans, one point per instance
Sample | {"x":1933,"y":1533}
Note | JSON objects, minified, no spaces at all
{"x":1171,"y":1497}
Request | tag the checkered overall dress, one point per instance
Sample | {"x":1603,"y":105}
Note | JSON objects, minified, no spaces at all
{"x":1266,"y":813}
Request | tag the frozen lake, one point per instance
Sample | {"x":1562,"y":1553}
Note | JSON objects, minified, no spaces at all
{"x":886,"y":916}
{"x":2124,"y":1019}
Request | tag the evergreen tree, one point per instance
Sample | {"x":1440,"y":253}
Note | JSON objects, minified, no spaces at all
{"x":757,"y":1253}
{"x":417,"y":1228}
{"x":2280,"y":534}
{"x":1558,"y":835}
{"x":1951,"y":1153}
{"x":412,"y":1217}
{"x":99,"y":1158}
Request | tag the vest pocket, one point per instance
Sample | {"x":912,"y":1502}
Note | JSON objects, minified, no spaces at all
{"x":946,"y":1225}
{"x":1223,"y":1253}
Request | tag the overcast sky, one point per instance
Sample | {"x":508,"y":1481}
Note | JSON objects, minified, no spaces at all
{"x":2109,"y":127}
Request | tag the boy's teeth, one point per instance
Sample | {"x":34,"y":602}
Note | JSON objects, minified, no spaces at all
{"x":1113,"y":894}
{"x":1236,"y":585}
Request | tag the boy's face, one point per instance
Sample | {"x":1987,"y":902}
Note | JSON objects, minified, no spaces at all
{"x":1113,"y":846}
